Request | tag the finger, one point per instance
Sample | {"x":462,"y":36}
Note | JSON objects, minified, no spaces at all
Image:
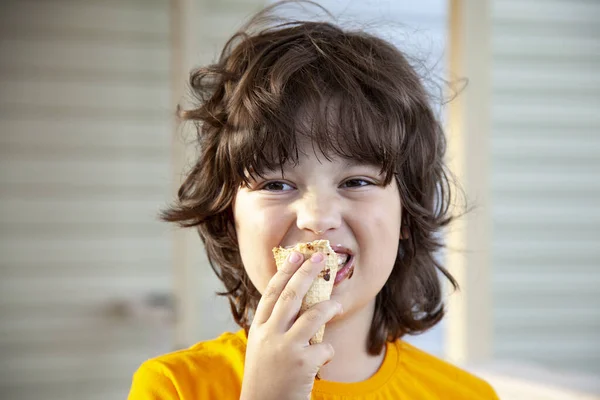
{"x":312,"y":319}
{"x":320,"y":354}
{"x":276,"y":286}
{"x":288,"y":304}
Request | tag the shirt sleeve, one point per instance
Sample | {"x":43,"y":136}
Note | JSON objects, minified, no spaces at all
{"x":150,"y":383}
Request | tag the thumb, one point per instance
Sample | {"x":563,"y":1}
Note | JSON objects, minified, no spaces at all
{"x":321,"y":354}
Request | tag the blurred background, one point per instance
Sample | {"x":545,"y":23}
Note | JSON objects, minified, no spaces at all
{"x":89,"y":153}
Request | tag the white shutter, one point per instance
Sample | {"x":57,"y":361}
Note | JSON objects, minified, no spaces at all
{"x":85,"y":144}
{"x":546,"y":185}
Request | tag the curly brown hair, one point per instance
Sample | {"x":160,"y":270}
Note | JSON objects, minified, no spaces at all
{"x":365,"y":102}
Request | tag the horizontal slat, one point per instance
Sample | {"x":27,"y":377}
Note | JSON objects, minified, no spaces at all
{"x":110,"y":339}
{"x":115,"y":56}
{"x":73,"y":74}
{"x":82,"y":191}
{"x":538,"y":229}
{"x":68,"y":15}
{"x":85,"y":134}
{"x":91,"y":269}
{"x":515,"y":330}
{"x":63,"y":289}
{"x":58,"y":325}
{"x":538,"y":263}
{"x":116,"y":173}
{"x":545,"y":317}
{"x":65,"y":231}
{"x":551,"y":146}
{"x":549,"y":281}
{"x":70,"y":368}
{"x":77,"y":134}
{"x":559,"y":245}
{"x":100,"y":389}
{"x":148,"y":96}
{"x":44,"y":211}
{"x":50,"y":112}
{"x":541,"y":213}
{"x":73,"y":153}
{"x":550,"y":11}
{"x":575,"y":131}
{"x":547,"y":47}
{"x":74,"y":250}
{"x":81,"y":333}
{"x":545,"y":300}
{"x":538,"y":28}
{"x":512,"y":77}
{"x":545,"y":178}
{"x":521,"y":110}
{"x":115,"y":329}
{"x":545,"y":189}
{"x":557,"y":347}
{"x":583,"y":198}
{"x":587,"y":364}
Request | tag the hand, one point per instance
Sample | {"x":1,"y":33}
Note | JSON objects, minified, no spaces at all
{"x":280,"y":363}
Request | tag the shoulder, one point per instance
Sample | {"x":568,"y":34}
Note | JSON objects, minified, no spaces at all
{"x":211,"y":368}
{"x":442,"y":376}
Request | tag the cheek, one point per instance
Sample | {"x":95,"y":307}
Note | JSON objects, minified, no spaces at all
{"x":383,"y":235}
{"x":256,"y":233}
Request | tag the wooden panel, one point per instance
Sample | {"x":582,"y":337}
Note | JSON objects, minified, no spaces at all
{"x":41,"y":211}
{"x":85,"y":126}
{"x":107,"y":136}
{"x":115,"y":172}
{"x":115,"y":59}
{"x":147,"y":17}
{"x":545,"y":182}
{"x":35,"y":93}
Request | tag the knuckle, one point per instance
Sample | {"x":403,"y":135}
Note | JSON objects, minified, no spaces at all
{"x":289,"y":294}
{"x":300,"y":362}
{"x":270,"y":292}
{"x":314,"y":315}
{"x":288,"y":270}
{"x":304,"y":272}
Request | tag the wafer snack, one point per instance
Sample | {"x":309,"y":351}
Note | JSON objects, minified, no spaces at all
{"x":322,"y":286}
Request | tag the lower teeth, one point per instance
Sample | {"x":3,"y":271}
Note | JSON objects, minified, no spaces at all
{"x":343,"y":261}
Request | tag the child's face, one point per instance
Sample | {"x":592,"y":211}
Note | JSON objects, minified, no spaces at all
{"x":347,"y":202}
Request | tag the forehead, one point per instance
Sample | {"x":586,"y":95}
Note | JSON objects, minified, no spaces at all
{"x":310,"y":154}
{"x":328,"y":127}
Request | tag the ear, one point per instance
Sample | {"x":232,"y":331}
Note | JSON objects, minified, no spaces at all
{"x":404,"y":232}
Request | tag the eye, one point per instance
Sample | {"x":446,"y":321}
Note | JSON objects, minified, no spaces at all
{"x":356,"y":182}
{"x":277,"y":186}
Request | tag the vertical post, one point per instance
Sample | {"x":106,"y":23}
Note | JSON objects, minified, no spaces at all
{"x":184,"y":241}
{"x":469,"y":324}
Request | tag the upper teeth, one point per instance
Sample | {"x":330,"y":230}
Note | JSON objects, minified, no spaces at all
{"x":342,"y":258}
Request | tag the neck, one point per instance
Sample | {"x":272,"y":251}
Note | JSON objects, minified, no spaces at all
{"x":349,"y":336}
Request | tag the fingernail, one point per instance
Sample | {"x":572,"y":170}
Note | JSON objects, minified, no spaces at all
{"x":340,"y":308}
{"x":317,"y":258}
{"x":295,"y":257}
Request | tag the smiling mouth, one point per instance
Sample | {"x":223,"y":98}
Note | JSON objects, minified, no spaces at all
{"x":343,"y":259}
{"x":345,"y":264}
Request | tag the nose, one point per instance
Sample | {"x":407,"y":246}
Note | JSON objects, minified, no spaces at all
{"x":318,"y":212}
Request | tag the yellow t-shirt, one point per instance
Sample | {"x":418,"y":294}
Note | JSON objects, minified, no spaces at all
{"x":214,"y":370}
